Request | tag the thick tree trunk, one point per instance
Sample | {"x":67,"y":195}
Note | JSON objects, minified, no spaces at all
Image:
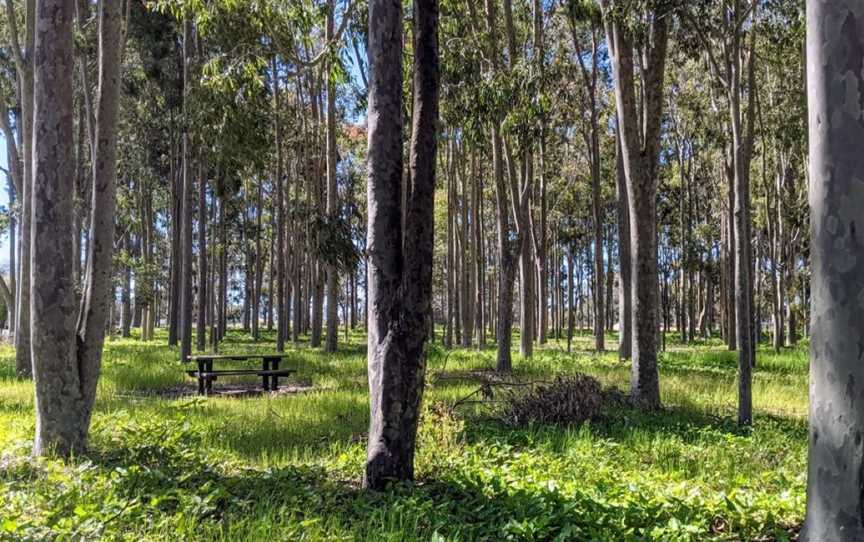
{"x":835,"y":486}
{"x":59,"y":387}
{"x":400,"y":265}
{"x":640,"y":148}
{"x":67,"y":356}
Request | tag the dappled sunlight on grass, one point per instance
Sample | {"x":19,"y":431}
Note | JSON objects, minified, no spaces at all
{"x":242,"y":468}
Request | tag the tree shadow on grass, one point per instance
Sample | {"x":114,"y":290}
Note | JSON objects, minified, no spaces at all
{"x":620,"y":422}
{"x":460,"y":503}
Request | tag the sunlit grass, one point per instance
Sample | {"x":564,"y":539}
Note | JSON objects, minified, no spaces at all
{"x":288,"y":466}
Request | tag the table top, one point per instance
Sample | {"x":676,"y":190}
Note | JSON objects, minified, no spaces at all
{"x":205,"y":357}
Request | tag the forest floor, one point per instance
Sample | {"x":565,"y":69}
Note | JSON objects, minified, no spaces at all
{"x":166,"y":465}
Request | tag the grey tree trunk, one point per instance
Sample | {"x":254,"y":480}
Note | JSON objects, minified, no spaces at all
{"x":625,"y":290}
{"x":331,"y":339}
{"x":281,"y":309}
{"x":201,"y":321}
{"x":506,"y":246}
{"x":126,"y":293}
{"x":25,"y":70}
{"x":835,"y":487}
{"x":176,"y":254}
{"x":400,"y":265}
{"x":640,"y":145}
{"x":186,"y":193}
{"x":743,"y":267}
{"x":67,"y":356}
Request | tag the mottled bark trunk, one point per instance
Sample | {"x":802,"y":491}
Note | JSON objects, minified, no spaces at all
{"x":835,"y":482}
{"x":400,"y":265}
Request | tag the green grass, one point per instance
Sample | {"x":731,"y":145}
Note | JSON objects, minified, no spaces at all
{"x":288,"y":467}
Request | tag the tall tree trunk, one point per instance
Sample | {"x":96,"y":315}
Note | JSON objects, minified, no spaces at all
{"x":186,"y":196}
{"x":835,"y":487}
{"x":506,"y":246}
{"x":400,"y":265}
{"x":201,"y":328}
{"x":480,"y":260}
{"x":331,"y":340}
{"x":640,"y":148}
{"x":743,"y":268}
{"x":126,"y":292}
{"x":67,"y":356}
{"x":258,"y":263}
{"x":25,"y":70}
{"x":625,"y":289}
{"x":281,"y":309}
{"x":176,"y":253}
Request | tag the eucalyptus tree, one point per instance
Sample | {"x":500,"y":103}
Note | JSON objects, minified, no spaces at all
{"x":835,"y":56}
{"x":22,"y":54}
{"x":400,"y":262}
{"x":332,"y":209}
{"x":738,"y":84}
{"x":640,"y":148}
{"x":67,"y":343}
{"x":588,"y":15}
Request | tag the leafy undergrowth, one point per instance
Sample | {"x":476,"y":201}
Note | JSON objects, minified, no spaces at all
{"x":288,"y":467}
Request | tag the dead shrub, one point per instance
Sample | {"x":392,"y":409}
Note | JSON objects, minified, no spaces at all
{"x":569,"y":399}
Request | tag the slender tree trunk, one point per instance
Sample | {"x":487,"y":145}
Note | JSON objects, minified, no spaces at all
{"x":506,"y":246}
{"x":126,"y":293}
{"x":625,"y":288}
{"x":187,"y":200}
{"x":201,"y":330}
{"x":176,"y":254}
{"x":331,"y":341}
{"x":25,"y":69}
{"x":281,"y":309}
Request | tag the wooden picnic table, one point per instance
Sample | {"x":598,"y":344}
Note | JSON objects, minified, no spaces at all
{"x":269,"y":372}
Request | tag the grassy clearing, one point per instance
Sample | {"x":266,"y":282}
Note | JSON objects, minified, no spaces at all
{"x":288,"y":467}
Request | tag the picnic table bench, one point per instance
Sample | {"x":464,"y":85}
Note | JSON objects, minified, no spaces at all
{"x":206,"y":374}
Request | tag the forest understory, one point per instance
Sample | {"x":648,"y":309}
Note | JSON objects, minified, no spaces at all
{"x":288,"y":466}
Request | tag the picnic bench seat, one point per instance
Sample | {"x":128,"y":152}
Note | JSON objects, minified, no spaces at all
{"x":206,"y":374}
